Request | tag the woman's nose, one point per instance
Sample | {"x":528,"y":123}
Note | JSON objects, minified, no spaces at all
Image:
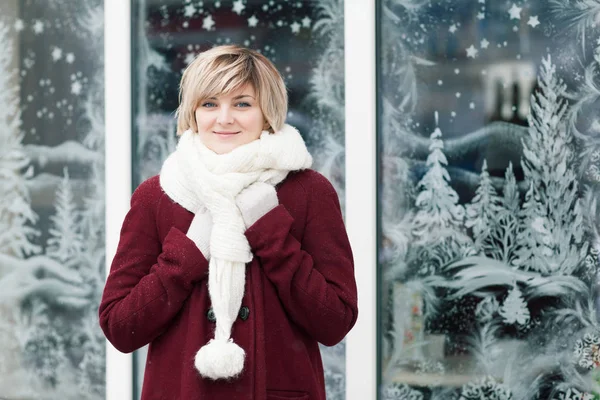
{"x":225,"y":116}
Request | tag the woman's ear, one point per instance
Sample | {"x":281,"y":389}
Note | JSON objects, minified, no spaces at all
{"x":266,"y":126}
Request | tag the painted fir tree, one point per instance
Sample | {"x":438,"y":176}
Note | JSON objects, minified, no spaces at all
{"x":65,"y":242}
{"x":438,"y":213}
{"x":514,"y":309}
{"x":551,"y":234}
{"x":483,"y":212}
{"x":16,"y":215}
{"x":504,"y":236}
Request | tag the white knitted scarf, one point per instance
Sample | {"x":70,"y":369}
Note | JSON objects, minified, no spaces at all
{"x":196,"y":177}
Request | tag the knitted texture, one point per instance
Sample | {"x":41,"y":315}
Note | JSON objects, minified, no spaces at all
{"x":196,"y":177}
{"x":199,"y":231}
{"x":256,"y":201}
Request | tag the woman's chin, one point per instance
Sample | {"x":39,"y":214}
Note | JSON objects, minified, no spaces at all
{"x":223,"y":148}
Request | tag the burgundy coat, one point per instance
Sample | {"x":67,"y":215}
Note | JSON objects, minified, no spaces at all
{"x":300,"y":290}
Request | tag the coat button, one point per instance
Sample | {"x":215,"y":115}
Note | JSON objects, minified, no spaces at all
{"x":210,"y":314}
{"x":244,"y":313}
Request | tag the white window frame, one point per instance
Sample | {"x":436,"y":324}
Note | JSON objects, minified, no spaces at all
{"x":361,"y":192}
{"x":117,"y":103}
{"x":361,"y":185}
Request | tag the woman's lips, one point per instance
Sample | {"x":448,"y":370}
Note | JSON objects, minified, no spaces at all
{"x":226,"y":133}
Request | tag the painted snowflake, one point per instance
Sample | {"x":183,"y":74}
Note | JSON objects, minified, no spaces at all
{"x":402,"y":391}
{"x":587,"y":351}
{"x":430,"y":366}
{"x":485,"y":389}
{"x":574,"y":394}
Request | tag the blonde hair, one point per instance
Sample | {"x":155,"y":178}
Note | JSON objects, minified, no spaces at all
{"x":225,"y":69}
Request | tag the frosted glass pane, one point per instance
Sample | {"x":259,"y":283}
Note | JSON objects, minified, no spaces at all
{"x":488,"y":199}
{"x":51,"y":199}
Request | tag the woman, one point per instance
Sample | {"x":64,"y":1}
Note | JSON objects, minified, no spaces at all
{"x":234,"y":262}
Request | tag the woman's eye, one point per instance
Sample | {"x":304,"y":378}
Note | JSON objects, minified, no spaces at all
{"x":243,"y":104}
{"x":208,"y":104}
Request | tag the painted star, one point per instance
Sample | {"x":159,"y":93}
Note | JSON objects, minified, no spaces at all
{"x":533,"y":21}
{"x":190,"y":10}
{"x":472,"y":52}
{"x":238,"y":7}
{"x":252,"y":21}
{"x":76,"y":87}
{"x":452,"y":28}
{"x":189,"y":57}
{"x":19,"y":25}
{"x":482,"y":1}
{"x":480,"y":15}
{"x":306,"y":22}
{"x":295,"y":27}
{"x":70,"y":58}
{"x":56,"y":54}
{"x":515,"y":12}
{"x":484,"y":44}
{"x":217,"y":4}
{"x":38,"y":27}
{"x":208,"y":23}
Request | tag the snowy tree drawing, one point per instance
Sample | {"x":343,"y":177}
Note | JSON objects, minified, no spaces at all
{"x":438,"y":213}
{"x":483,"y":212}
{"x":504,"y":234}
{"x":16,"y":216}
{"x":65,"y":242}
{"x":514,"y":309}
{"x":437,"y":225}
{"x":551,"y":236}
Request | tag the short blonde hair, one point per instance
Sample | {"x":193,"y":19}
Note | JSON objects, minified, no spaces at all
{"x":224,"y":69}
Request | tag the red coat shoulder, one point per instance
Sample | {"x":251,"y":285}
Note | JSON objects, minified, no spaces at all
{"x":149,"y":191}
{"x":314,"y":183}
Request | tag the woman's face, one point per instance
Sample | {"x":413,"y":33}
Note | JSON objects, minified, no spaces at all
{"x":230,"y":120}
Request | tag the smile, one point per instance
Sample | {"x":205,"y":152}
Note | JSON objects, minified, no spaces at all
{"x":224,"y":133}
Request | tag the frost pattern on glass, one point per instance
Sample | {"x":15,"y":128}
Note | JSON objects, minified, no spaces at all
{"x":489,"y":188}
{"x":51,"y":199}
{"x":305,"y":40}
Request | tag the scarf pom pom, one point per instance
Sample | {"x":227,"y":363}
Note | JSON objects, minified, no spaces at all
{"x":220,"y":359}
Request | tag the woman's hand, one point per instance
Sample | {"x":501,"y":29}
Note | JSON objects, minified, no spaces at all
{"x":42,"y":277}
{"x":255,"y":201}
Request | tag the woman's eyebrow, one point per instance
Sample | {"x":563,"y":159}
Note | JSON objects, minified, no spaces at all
{"x":241,"y":96}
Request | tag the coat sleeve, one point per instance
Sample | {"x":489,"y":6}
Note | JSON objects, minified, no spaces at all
{"x":314,"y":278}
{"x":149,"y":281}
